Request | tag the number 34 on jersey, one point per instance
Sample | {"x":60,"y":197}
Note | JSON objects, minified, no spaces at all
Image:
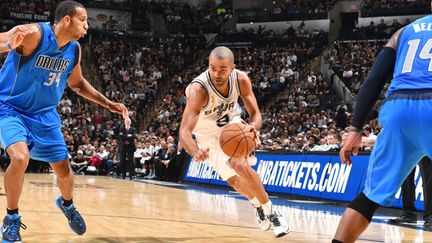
{"x":53,"y":78}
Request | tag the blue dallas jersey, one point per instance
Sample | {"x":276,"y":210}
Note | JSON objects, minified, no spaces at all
{"x":413,"y":68}
{"x":35,"y":83}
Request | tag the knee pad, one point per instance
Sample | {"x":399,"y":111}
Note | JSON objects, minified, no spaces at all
{"x":364,"y":206}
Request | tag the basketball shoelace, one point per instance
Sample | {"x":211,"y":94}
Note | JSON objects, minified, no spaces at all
{"x":72,"y":215}
{"x":275,"y":220}
{"x":260,"y":213}
{"x":15,"y":225}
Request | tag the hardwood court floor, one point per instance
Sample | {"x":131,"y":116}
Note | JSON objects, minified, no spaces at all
{"x":129,"y":211}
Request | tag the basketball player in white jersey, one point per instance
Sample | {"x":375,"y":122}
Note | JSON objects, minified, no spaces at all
{"x":211,"y":105}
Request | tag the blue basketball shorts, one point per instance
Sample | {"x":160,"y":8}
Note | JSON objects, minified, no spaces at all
{"x":42,"y":133}
{"x":406,"y":136}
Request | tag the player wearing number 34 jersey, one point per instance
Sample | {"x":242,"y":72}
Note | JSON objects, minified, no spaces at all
{"x":42,"y":59}
{"x":211,"y":105}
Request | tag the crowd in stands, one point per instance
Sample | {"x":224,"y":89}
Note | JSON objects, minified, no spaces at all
{"x":132,"y":71}
{"x":352,"y":60}
{"x":180,"y":17}
{"x":28,"y":6}
{"x":394,"y":7}
{"x":313,"y":41}
{"x":93,"y":141}
{"x":301,"y":9}
{"x":183,"y":17}
{"x":10,"y":8}
{"x":301,"y":6}
{"x":381,"y":30}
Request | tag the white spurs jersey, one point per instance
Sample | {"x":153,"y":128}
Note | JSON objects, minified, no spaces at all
{"x":219,"y":110}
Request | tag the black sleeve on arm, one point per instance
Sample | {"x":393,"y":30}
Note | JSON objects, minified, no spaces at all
{"x":382,"y":70}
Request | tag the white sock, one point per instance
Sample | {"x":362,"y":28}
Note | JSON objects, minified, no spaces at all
{"x":255,"y":202}
{"x":267,"y":207}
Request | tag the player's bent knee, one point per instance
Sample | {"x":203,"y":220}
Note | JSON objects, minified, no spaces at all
{"x":233,"y":181}
{"x":62,"y":169}
{"x":20,"y":158}
{"x":18,"y":154}
{"x":239,"y":166}
{"x":364,"y":206}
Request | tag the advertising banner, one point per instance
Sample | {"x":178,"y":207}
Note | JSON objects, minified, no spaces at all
{"x":28,"y":16}
{"x":310,"y":175}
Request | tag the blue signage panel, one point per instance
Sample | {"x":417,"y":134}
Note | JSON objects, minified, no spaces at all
{"x":321,"y":176}
{"x":311,"y":175}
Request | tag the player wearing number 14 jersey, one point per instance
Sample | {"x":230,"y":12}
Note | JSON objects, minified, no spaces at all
{"x":405,"y":118}
{"x":42,"y":60}
{"x":211,"y":105}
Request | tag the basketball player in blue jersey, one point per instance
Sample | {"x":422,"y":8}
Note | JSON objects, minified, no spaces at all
{"x":42,"y":60}
{"x":405,"y":118}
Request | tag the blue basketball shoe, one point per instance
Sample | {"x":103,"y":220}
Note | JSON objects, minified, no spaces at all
{"x":11,"y":228}
{"x":75,"y":220}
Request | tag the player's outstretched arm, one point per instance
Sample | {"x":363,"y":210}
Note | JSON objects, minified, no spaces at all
{"x":22,"y":38}
{"x":381,"y":71}
{"x":249,"y":100}
{"x":196,"y":99}
{"x":81,"y":86}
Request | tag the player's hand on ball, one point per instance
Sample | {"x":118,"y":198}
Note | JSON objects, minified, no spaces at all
{"x":351,"y":146}
{"x":254,"y":131}
{"x":202,"y":155}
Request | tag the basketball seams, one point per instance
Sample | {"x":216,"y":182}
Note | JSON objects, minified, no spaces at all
{"x":238,"y":144}
{"x":252,"y":143}
{"x":247,"y":144}
{"x":244,"y":137}
{"x":230,"y":139}
{"x":232,"y":144}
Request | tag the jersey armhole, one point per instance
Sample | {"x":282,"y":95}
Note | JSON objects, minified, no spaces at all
{"x":208,"y":95}
{"x":77,"y":53}
{"x":399,"y":39}
{"x":237,"y":83}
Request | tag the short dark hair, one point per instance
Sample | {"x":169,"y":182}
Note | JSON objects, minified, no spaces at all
{"x":66,"y":8}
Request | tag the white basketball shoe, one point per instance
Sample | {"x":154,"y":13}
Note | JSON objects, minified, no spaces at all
{"x":263,"y":221}
{"x":280,"y":227}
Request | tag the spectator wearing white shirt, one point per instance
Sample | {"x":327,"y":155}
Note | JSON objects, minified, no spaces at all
{"x":138,"y":154}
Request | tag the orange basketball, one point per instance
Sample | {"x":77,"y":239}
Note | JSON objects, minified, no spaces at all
{"x":237,"y":140}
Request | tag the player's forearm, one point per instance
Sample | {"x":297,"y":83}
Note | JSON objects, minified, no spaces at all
{"x":381,"y":71}
{"x":86,"y":90}
{"x":5,"y":36}
{"x":4,"y":40}
{"x":188,"y":143}
{"x":256,"y":121}
{"x":4,"y":47}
